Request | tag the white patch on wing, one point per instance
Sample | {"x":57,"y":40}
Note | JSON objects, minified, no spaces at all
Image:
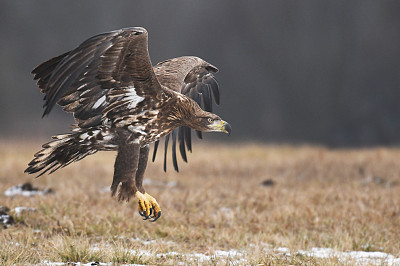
{"x":99,"y":102}
{"x":133,"y":98}
{"x":137,"y":129}
{"x":80,"y":87}
{"x":154,"y":112}
{"x":84,"y":92}
{"x":84,"y":136}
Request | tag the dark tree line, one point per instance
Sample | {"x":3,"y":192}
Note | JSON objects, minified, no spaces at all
{"x":290,"y":71}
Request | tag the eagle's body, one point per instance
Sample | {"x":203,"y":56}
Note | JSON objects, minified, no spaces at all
{"x":121,"y":102}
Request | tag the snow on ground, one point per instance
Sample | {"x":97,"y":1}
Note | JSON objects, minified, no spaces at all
{"x":5,"y":219}
{"x":26,"y":190}
{"x":234,"y":255}
{"x":19,"y":210}
{"x":46,"y":262}
{"x":241,"y":258}
{"x":358,"y":257}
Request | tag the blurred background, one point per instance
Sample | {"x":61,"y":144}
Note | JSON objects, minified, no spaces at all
{"x":319,"y":72}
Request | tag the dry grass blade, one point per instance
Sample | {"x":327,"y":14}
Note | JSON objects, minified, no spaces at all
{"x":231,"y":204}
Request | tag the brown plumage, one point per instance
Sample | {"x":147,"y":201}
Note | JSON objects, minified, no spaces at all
{"x":120,"y":102}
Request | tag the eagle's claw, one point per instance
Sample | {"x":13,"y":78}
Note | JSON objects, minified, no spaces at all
{"x":156,"y":218}
{"x":147,"y":217}
{"x":148,"y":207}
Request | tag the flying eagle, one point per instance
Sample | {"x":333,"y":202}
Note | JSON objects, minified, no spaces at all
{"x":122,"y":103}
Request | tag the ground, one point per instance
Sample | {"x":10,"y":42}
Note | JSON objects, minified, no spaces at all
{"x":233,"y":203}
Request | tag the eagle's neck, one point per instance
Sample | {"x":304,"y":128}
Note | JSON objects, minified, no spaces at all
{"x":182,"y":109}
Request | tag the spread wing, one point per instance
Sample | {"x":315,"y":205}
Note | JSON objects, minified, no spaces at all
{"x":101,"y":76}
{"x":194,"y":78}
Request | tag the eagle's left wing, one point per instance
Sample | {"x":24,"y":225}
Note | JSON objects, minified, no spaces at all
{"x":104,"y":73}
{"x":193,"y":77}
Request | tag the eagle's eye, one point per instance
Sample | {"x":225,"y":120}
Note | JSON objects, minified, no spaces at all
{"x":210,"y":120}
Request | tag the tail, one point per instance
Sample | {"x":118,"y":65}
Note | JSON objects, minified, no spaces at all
{"x":69,"y":148}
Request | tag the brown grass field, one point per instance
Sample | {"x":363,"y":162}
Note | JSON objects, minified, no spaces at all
{"x":346,"y":200}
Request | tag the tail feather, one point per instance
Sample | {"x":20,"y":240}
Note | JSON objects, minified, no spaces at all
{"x":68,"y":148}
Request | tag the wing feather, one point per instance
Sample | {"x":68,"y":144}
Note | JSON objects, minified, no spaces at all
{"x":43,"y":72}
{"x":155,"y":150}
{"x":194,"y":78}
{"x":165,"y":152}
{"x":181,"y":137}
{"x":174,"y":160}
{"x":81,"y":80}
{"x":97,"y":81}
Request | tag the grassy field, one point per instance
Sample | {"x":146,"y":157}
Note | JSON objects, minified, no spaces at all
{"x":215,"y":211}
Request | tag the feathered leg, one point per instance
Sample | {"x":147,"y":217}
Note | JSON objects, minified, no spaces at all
{"x":129,"y":169}
{"x":125,"y":168}
{"x":143,"y":158}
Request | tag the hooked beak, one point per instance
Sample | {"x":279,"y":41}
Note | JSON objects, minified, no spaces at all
{"x":221,"y":126}
{"x":227,"y":128}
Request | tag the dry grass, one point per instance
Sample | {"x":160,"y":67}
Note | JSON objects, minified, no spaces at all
{"x":321,"y":198}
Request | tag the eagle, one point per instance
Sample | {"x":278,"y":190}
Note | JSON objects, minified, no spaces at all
{"x":120,"y":102}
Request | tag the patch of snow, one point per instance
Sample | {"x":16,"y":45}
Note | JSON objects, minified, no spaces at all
{"x":282,"y":250}
{"x":359,"y":257}
{"x":5,"y":219}
{"x":169,"y":254}
{"x":230,"y":253}
{"x":46,"y":262}
{"x":240,"y":256}
{"x":199,"y":257}
{"x":105,"y":190}
{"x":19,"y":210}
{"x":26,"y":190}
{"x":92,"y":263}
{"x":235,"y":255}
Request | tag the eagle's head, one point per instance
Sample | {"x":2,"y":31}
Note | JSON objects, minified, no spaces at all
{"x":198,"y":119}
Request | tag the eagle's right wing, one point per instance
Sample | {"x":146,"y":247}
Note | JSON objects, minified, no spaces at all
{"x":193,"y":77}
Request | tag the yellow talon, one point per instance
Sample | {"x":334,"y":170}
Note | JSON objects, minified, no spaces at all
{"x":154,"y":204}
{"x":143,"y":204}
{"x":147,"y":206}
